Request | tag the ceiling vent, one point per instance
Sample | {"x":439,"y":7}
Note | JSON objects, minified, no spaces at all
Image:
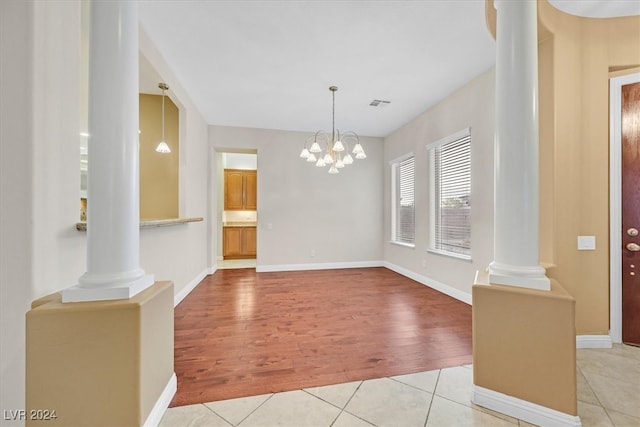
{"x":379,"y":103}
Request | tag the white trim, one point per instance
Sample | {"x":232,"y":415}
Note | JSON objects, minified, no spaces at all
{"x":615,"y":200}
{"x":401,"y":158}
{"x":178,"y":297}
{"x":406,"y":245}
{"x":317,"y":266}
{"x":593,"y":341}
{"x":449,"y":138}
{"x":522,"y":409}
{"x":212,"y":270}
{"x":156,"y":414}
{"x":434,"y":284}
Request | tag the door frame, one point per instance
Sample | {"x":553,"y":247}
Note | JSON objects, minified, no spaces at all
{"x":615,"y":202}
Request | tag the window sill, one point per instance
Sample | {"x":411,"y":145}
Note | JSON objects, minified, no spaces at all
{"x":150,"y":223}
{"x":451,"y":255}
{"x":406,"y":245}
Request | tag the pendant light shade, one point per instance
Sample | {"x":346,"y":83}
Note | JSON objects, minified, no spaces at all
{"x":162,"y":146}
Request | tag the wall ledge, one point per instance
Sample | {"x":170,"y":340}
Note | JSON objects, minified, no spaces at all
{"x":522,"y":409}
{"x":150,"y":223}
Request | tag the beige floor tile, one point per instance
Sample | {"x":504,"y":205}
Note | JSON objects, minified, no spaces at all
{"x":236,"y":410}
{"x":585,"y":394}
{"x":337,"y":395}
{"x":610,"y":364}
{"x":455,"y":384}
{"x":593,"y":415}
{"x":615,"y":394}
{"x":495,"y":414}
{"x":385,"y":402}
{"x":622,"y":420}
{"x":445,"y":413}
{"x":425,"y":381}
{"x":347,"y":420}
{"x":191,"y":416}
{"x":292,"y":408}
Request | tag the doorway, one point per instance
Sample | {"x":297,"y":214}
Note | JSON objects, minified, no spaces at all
{"x":237,"y":208}
{"x":625,"y":208}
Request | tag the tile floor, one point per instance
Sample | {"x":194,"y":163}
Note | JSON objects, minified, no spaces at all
{"x":236,"y":263}
{"x":608,"y":390}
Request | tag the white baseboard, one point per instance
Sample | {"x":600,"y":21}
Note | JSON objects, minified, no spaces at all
{"x":162,"y":403}
{"x":521,"y":409}
{"x":177,"y":298}
{"x":212,"y":270}
{"x":317,"y":266}
{"x":593,"y":341}
{"x":434,"y":284}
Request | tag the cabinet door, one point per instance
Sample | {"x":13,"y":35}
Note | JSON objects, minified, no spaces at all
{"x":250,"y":190}
{"x":249,"y":241}
{"x":233,"y":190}
{"x":232,"y":242}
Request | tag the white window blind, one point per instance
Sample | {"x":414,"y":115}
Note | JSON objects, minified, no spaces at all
{"x":451,"y":196}
{"x":403,"y":227}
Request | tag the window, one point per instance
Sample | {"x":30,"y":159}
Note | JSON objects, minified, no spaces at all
{"x":450,"y":219}
{"x":403,"y":200}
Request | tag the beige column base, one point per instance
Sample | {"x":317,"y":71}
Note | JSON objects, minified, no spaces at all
{"x":524,"y":344}
{"x":102,"y":363}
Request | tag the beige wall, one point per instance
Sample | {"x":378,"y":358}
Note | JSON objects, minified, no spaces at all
{"x":305,"y":215}
{"x":158,"y":171}
{"x":576,"y":56}
{"x":470,"y":106}
{"x":575,"y":122}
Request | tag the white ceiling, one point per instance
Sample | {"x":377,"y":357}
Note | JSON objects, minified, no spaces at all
{"x":269,"y":64}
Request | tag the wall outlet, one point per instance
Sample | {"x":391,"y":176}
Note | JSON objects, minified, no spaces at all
{"x":313,"y":252}
{"x":586,"y":243}
{"x":424,"y":263}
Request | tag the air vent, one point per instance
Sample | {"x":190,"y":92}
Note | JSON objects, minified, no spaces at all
{"x":379,"y":103}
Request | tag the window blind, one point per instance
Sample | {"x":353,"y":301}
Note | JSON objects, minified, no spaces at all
{"x":404,"y":227}
{"x":452,"y":197}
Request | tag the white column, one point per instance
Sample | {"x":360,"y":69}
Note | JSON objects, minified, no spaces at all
{"x":516,"y":210}
{"x":113,"y":224}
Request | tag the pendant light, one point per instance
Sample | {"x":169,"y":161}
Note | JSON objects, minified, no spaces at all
{"x":335,"y":145}
{"x":162,"y":146}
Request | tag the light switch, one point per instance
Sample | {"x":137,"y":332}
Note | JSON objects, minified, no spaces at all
{"x":586,"y":243}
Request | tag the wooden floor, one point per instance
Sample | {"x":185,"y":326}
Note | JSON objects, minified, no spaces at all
{"x":242,"y":333}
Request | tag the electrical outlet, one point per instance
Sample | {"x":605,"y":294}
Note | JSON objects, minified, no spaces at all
{"x":424,"y":263}
{"x":313,"y":252}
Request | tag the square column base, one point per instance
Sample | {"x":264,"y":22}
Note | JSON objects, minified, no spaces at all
{"x":524,"y":344}
{"x":101,"y":363}
{"x":79,"y":294}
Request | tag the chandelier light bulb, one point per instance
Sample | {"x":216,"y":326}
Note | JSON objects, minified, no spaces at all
{"x":311,"y":158}
{"x":357,"y":149}
{"x":347,"y":159}
{"x":340,"y":164}
{"x":305,"y":153}
{"x":328,"y":158}
{"x":361,"y":155}
{"x":163,"y":148}
{"x":333,"y":170}
{"x":338,"y":146}
{"x":320,"y":163}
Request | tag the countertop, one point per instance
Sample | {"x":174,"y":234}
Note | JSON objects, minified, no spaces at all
{"x":239,"y":224}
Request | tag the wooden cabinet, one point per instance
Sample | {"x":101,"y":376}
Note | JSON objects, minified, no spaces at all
{"x":239,"y":242}
{"x":240,"y":190}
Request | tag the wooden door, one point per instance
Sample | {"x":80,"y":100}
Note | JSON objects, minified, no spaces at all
{"x":631,"y":213}
{"x":233,"y":190}
{"x":232,"y":242}
{"x":250,"y":190}
{"x":249,"y":247}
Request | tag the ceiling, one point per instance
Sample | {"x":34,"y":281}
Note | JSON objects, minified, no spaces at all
{"x":269,"y":64}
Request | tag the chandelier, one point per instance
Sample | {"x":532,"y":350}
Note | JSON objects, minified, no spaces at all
{"x":332,"y":150}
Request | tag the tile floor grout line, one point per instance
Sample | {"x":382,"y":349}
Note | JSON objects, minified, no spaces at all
{"x":257,"y":407}
{"x":435,"y":387}
{"x":217,"y":414}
